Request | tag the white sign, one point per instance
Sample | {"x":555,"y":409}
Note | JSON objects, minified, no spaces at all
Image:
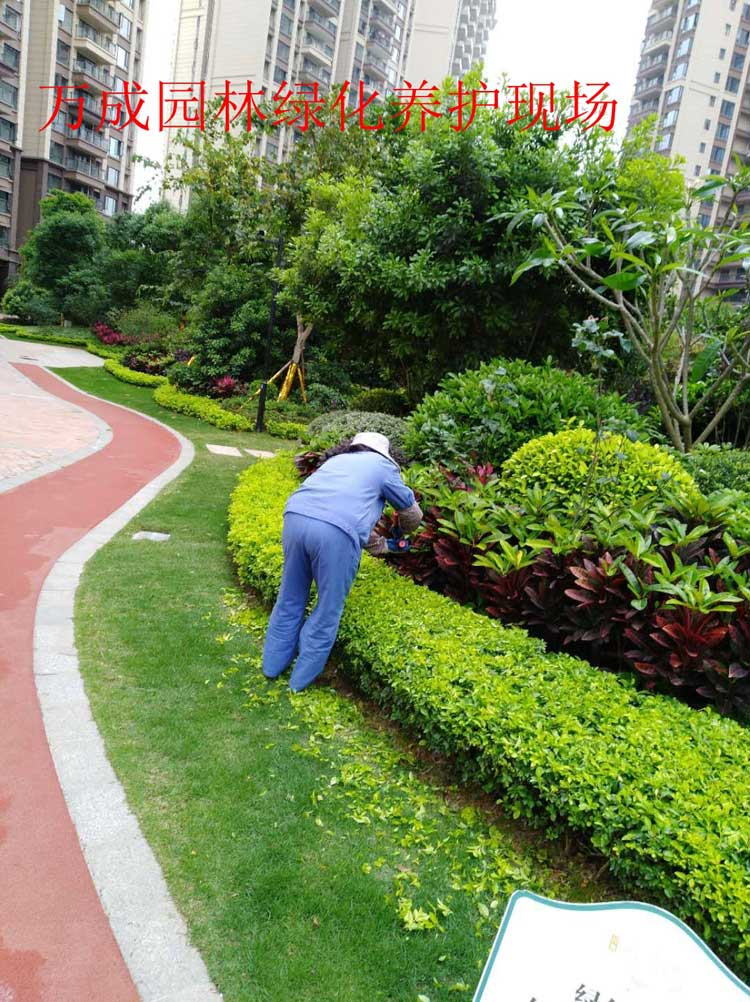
{"x":548,"y":951}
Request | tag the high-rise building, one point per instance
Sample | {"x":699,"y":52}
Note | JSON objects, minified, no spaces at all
{"x":87,"y":47}
{"x":378,"y":42}
{"x":14,"y":28}
{"x":693,"y":74}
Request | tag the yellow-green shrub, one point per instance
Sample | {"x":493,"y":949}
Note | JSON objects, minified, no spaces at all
{"x":207,"y":410}
{"x":126,"y":375}
{"x":612,"y":468}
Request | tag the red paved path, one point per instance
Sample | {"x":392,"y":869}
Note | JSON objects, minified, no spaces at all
{"x":55,"y":941}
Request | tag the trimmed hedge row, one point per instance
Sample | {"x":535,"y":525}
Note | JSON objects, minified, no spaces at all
{"x":126,"y":375}
{"x":92,"y":347}
{"x":663,"y":791}
{"x":200,"y":407}
{"x":292,"y":430}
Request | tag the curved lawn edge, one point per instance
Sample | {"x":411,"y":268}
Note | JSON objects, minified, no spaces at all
{"x":663,"y":791}
{"x":150,"y":931}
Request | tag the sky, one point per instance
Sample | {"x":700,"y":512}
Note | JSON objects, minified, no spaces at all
{"x":535,"y":41}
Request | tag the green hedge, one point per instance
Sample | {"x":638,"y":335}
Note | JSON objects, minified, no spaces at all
{"x":293,"y":430}
{"x":42,"y":338}
{"x":662,"y":790}
{"x":201,"y":407}
{"x":126,"y":375}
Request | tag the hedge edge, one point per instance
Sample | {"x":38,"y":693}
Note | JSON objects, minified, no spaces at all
{"x":663,"y":791}
{"x":126,"y":375}
{"x":207,"y":410}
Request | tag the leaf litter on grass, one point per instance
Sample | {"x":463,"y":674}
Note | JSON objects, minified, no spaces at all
{"x":434,"y":853}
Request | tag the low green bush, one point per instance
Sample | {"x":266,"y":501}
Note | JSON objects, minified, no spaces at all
{"x":662,"y":791}
{"x":42,"y":337}
{"x":716,"y":468}
{"x":382,"y":401}
{"x":30,"y":303}
{"x":613,"y":469}
{"x":126,"y":375}
{"x":105,"y":351}
{"x":207,"y":410}
{"x":286,"y":429}
{"x":330,"y":429}
{"x":485,"y":414}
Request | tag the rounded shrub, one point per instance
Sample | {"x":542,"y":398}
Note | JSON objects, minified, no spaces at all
{"x":330,"y":429}
{"x":485,"y":414}
{"x":716,"y":468}
{"x":381,"y":400}
{"x":612,"y":469}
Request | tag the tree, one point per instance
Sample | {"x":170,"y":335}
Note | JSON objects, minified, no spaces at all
{"x":651,"y":266}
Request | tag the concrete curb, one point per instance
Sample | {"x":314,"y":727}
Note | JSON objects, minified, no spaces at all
{"x":149,"y":930}
{"x":102,"y":439}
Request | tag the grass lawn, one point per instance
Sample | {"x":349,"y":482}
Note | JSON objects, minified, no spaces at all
{"x":314,"y":854}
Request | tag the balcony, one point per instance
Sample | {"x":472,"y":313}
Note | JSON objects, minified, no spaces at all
{"x":655,"y":83}
{"x":381,"y":19}
{"x":10,"y":23}
{"x":314,"y":73}
{"x":99,"y":14}
{"x":662,"y":38}
{"x":87,"y":139}
{"x":390,"y":5}
{"x":378,"y":69}
{"x":93,"y":44}
{"x":80,"y":169}
{"x":329,"y":8}
{"x":319,"y":51}
{"x":382,"y":43}
{"x":9,"y":64}
{"x":97,"y":77}
{"x":320,"y":26}
{"x":653,"y":61}
{"x":659,"y":16}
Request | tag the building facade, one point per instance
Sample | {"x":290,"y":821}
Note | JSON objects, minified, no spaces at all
{"x":378,"y":42}
{"x":693,"y":75}
{"x":14,"y":26}
{"x":87,"y":47}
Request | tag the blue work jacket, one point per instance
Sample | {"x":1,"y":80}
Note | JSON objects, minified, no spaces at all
{"x":350,"y":492}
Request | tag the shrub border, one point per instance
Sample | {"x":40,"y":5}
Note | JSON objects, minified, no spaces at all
{"x":670,"y":809}
{"x":126,"y":375}
{"x":207,"y":410}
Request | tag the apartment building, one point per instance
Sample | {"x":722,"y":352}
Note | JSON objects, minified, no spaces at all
{"x":693,"y":74}
{"x":378,"y":42}
{"x":13,"y":35}
{"x":87,"y":47}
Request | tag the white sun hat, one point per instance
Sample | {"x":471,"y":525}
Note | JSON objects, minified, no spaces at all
{"x":375,"y":441}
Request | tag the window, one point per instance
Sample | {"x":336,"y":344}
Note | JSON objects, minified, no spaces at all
{"x":717,"y":154}
{"x":722,"y":132}
{"x":127,"y":3}
{"x":53,"y":181}
{"x":7,"y":130}
{"x":4,"y":236}
{"x":722,"y":53}
{"x":126,"y":26}
{"x":8,"y":94}
{"x":684,"y":47}
{"x":110,"y":205}
{"x":743,"y":36}
{"x":690,"y":21}
{"x":279,"y":75}
{"x":738,"y":61}
{"x":6,"y":166}
{"x":286,"y":25}
{"x":115,"y":147}
{"x":727,"y":108}
{"x":665,"y":142}
{"x":674,"y":95}
{"x":65,"y":17}
{"x":717,"y":77}
{"x":702,"y":148}
{"x":56,"y":152}
{"x":5,"y":201}
{"x":697,"y":170}
{"x":113,"y":176}
{"x":12,"y":57}
{"x":704,"y":219}
{"x":282,"y":52}
{"x":669,"y":119}
{"x":712,"y":101}
{"x":746,"y":11}
{"x":733,"y":84}
{"x":123,"y":57}
{"x":707,"y":123}
{"x":680,"y":71}
{"x":63,"y":52}
{"x":727,"y":29}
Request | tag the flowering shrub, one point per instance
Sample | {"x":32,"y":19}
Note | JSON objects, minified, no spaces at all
{"x":108,"y":335}
{"x":226,"y":386}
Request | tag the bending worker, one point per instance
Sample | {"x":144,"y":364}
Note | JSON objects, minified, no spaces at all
{"x":327,"y":524}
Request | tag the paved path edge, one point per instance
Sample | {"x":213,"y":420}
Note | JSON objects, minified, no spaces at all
{"x":150,"y":931}
{"x":104,"y":438}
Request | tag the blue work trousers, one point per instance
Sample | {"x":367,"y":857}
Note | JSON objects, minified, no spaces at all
{"x":313,"y":551}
